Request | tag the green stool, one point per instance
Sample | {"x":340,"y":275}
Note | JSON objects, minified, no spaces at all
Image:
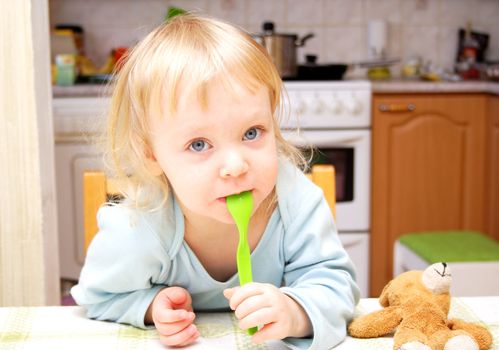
{"x":472,"y":256}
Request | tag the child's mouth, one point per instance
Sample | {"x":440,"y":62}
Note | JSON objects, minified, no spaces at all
{"x":224,"y":199}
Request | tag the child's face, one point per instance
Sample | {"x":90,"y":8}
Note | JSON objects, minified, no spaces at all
{"x":211,"y":153}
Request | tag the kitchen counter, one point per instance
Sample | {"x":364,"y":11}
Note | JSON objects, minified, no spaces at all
{"x":391,"y":86}
{"x":80,"y":90}
{"x":417,"y":86}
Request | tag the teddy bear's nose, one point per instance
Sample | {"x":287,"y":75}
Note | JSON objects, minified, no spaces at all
{"x":443,"y":273}
{"x":437,"y":278}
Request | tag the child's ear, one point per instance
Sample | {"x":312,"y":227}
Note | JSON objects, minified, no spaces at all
{"x":151,"y":163}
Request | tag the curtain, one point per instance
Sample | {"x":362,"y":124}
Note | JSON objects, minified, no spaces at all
{"x":21,"y":234}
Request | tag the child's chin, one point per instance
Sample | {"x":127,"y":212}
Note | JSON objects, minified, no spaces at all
{"x":220,"y":215}
{"x":226,"y":220}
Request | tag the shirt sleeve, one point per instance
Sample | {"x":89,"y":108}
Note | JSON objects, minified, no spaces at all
{"x":124,"y":264}
{"x":318,"y":274}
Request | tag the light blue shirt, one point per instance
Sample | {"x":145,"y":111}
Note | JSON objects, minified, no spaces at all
{"x":137,"y":253}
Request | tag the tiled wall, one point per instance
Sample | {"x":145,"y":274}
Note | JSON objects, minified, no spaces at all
{"x":427,"y":28}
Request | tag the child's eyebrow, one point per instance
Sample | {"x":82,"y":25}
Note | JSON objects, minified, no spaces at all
{"x":200,"y":125}
{"x":259,"y":116}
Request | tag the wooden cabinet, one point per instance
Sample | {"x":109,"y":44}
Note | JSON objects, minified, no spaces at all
{"x":429,"y":170}
{"x":492,"y":189}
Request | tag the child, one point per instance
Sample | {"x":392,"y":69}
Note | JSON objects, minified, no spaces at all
{"x":192,"y":121}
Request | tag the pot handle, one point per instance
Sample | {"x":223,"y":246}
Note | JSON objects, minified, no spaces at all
{"x":301,"y":41}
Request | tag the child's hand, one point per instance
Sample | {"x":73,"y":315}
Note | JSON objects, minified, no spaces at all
{"x":173,"y":317}
{"x":258,"y":304}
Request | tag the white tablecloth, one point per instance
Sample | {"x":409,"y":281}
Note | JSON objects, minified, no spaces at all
{"x":66,"y":327}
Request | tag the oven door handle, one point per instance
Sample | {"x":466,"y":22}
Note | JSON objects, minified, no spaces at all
{"x":346,"y":140}
{"x":324,"y":139}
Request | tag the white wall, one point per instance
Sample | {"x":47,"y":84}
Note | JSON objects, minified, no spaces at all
{"x":417,"y":27}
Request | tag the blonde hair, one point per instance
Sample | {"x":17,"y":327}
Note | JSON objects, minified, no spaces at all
{"x":186,"y":47}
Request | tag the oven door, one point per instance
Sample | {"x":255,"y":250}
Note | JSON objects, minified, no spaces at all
{"x":349,"y":152}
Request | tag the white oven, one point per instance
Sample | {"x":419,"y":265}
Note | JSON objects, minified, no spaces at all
{"x":348,"y":151}
{"x":335,"y":119}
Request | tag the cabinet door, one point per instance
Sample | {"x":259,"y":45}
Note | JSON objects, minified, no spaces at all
{"x":492,"y":166}
{"x":428,"y":170}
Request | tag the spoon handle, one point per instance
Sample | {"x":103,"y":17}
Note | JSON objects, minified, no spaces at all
{"x":244,"y":260}
{"x":240,"y":207}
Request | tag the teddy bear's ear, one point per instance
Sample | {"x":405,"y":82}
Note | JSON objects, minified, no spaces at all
{"x":383,"y":298}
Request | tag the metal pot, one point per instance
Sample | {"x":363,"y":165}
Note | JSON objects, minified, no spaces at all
{"x":282,"y":48}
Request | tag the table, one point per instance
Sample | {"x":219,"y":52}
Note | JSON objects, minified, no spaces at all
{"x":66,"y":327}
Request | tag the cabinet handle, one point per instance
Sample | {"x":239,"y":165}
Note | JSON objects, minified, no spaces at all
{"x":393,"y":107}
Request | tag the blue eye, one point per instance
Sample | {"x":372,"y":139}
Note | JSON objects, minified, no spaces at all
{"x":252,"y":134}
{"x":198,"y":146}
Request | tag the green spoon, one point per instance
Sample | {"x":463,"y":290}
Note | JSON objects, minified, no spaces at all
{"x":240,"y":207}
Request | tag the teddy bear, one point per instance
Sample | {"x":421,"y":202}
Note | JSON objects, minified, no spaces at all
{"x":416,"y":304}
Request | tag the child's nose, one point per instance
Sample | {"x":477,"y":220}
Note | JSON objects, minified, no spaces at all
{"x":234,"y":165}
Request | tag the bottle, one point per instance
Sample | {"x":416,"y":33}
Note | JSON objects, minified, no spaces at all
{"x":470,"y":46}
{"x":466,"y":66}
{"x":76,"y":32}
{"x":66,"y":69}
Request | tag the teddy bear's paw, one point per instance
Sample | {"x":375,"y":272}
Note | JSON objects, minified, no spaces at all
{"x":461,"y":342}
{"x":414,"y":345}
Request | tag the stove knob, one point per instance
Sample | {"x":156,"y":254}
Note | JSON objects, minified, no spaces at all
{"x":318,"y":106}
{"x":352,"y":105}
{"x":357,"y":107}
{"x":336,"y":106}
{"x":299,"y":107}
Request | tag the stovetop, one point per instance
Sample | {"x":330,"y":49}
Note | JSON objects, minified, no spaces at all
{"x":320,"y":104}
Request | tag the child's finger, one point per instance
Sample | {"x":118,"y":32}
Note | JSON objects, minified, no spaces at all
{"x":243,"y":293}
{"x":177,"y":295}
{"x":259,"y":317}
{"x":168,"y":329}
{"x":191,"y":340}
{"x":170,"y":316}
{"x":229,"y":292}
{"x":180,"y":337}
{"x":251,"y":305}
{"x":174,"y":298}
{"x":267,"y":332}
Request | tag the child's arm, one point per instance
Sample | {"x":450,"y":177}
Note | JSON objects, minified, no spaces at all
{"x":124,"y":263}
{"x":318,"y":272}
{"x":319,"y":296}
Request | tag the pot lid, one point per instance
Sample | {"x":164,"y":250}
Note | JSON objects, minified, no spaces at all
{"x":269,"y":30}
